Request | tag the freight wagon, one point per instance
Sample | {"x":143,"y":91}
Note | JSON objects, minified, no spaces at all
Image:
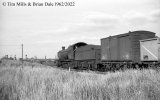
{"x":150,"y":51}
{"x":122,"y":49}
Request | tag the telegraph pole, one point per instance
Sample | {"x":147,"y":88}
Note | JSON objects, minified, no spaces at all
{"x":22,"y":55}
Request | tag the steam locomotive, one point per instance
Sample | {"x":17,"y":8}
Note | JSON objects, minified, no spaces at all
{"x":137,"y":49}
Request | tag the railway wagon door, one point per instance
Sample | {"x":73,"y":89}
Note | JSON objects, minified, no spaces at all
{"x":124,"y":48}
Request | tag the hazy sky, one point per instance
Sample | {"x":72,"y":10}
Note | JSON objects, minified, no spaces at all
{"x":44,"y":30}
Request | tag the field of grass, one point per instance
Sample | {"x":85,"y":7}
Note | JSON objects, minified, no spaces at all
{"x":46,"y":83}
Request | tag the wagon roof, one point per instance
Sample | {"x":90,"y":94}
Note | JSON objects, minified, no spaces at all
{"x":150,"y":39}
{"x":133,"y":32}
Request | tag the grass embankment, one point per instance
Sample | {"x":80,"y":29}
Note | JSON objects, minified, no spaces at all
{"x":40,"y":83}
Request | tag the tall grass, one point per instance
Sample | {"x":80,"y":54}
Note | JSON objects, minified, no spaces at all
{"x":40,"y":83}
{"x":18,"y":63}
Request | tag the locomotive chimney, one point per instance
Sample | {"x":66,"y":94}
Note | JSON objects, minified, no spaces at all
{"x":26,"y":57}
{"x":63,"y":48}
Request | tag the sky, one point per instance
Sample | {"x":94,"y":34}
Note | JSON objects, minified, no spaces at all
{"x":43,"y":30}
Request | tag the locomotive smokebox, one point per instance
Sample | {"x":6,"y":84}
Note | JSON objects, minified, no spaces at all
{"x":63,"y":47}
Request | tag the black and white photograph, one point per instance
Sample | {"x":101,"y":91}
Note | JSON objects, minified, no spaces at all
{"x":79,"y":50}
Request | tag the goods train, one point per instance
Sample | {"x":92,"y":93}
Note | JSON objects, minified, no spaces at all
{"x":137,"y":49}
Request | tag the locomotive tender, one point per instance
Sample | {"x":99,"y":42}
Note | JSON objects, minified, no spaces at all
{"x":128,"y":50}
